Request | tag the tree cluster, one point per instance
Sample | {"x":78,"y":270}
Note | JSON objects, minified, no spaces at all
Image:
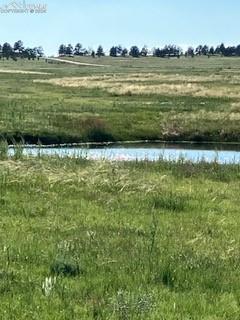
{"x":167,"y":51}
{"x":19,"y":51}
{"x":204,"y":50}
{"x":68,"y":50}
{"x":79,"y":50}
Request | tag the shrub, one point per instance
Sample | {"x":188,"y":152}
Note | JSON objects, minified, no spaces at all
{"x":96,"y":130}
{"x":66,"y":267}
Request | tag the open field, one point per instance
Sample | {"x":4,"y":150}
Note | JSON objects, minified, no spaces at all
{"x":99,"y":240}
{"x":106,"y":240}
{"x":128,"y":99}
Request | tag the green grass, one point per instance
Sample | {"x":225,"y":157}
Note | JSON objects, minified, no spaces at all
{"x":106,"y":240}
{"x":55,"y":114}
{"x":101,"y":240}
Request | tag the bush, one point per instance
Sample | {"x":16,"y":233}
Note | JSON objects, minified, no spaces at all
{"x":66,"y":267}
{"x":96,"y":130}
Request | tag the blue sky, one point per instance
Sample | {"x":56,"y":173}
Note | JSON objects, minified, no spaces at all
{"x":126,"y":22}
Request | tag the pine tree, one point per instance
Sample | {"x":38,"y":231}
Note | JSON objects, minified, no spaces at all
{"x":100,"y":52}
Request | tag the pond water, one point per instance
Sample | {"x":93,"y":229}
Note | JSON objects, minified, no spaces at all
{"x":151,"y":152}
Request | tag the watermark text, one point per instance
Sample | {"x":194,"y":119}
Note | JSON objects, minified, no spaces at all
{"x":23,"y":7}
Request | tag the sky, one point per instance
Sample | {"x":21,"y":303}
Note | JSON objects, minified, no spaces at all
{"x":127,"y":22}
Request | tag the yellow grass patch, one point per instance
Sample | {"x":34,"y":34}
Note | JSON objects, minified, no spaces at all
{"x":235,"y":107}
{"x":203,"y":115}
{"x":137,"y":84}
{"x":21,"y":72}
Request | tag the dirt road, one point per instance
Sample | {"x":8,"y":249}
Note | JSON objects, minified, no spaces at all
{"x":77,"y":63}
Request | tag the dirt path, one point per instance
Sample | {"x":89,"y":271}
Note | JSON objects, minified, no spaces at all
{"x":78,"y":63}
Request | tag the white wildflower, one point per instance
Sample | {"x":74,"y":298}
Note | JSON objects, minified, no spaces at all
{"x":48,"y":285}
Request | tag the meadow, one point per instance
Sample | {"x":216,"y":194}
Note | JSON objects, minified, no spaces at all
{"x":83,"y":239}
{"x":123,"y":99}
{"x":137,"y":240}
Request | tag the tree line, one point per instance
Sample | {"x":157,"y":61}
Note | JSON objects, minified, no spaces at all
{"x":7,"y":51}
{"x":136,"y":52}
{"x":18,"y":50}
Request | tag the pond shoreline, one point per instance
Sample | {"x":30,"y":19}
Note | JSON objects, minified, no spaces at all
{"x":136,"y":152}
{"x":163,"y":143}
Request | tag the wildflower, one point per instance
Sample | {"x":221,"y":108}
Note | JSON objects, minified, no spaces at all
{"x":48,"y":285}
{"x":91,"y":234}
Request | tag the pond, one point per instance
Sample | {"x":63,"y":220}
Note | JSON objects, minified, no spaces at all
{"x":152,"y":152}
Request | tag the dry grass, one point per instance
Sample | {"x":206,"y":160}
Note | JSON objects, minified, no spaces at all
{"x":22,"y":72}
{"x":138,"y":84}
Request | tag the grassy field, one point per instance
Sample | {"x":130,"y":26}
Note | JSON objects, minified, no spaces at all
{"x":99,"y":240}
{"x":107,"y":240}
{"x":127,"y":99}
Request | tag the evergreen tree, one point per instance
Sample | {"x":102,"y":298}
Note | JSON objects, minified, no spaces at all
{"x":69,"y":50}
{"x":134,"y":52}
{"x":144,"y":51}
{"x":205,"y":50}
{"x":119,"y":50}
{"x":190,"y":52}
{"x":78,"y":49}
{"x":62,"y":50}
{"x":222,"y":49}
{"x":113,"y":52}
{"x":39,"y":52}
{"x":211,"y":51}
{"x":18,"y":48}
{"x":124,"y":52}
{"x":199,"y":50}
{"x":237,"y":50}
{"x":100,"y":52}
{"x":7,"y":50}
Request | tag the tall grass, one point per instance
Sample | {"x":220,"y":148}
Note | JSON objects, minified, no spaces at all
{"x":3,"y":149}
{"x":100,"y":240}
